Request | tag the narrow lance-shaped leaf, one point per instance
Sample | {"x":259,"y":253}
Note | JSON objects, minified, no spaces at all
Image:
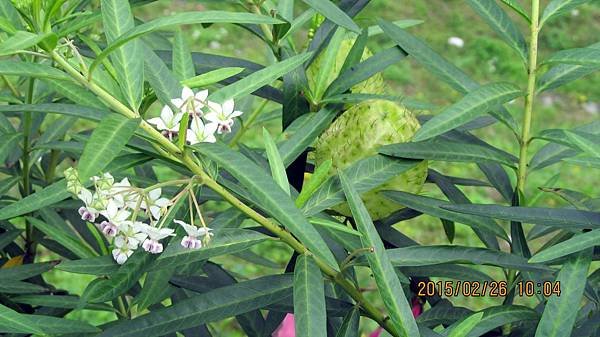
{"x":316,"y":179}
{"x":105,"y":143}
{"x":9,"y":142}
{"x":259,"y":79}
{"x":554,"y":217}
{"x":501,"y":23}
{"x":117,"y":19}
{"x":446,"y":150}
{"x":559,"y":7}
{"x":332,"y":12}
{"x":494,"y":317}
{"x":68,"y":240}
{"x":29,"y":69}
{"x":464,"y":327}
{"x":327,"y":64}
{"x":262,"y":187}
{"x":211,"y":306}
{"x":211,"y":77}
{"x":19,"y":41}
{"x":565,"y":73}
{"x":516,"y":6}
{"x":579,"y":56}
{"x":476,"y":103}
{"x":575,"y":244}
{"x":187,"y":18}
{"x":49,"y":195}
{"x":349,"y":327}
{"x":183,"y":65}
{"x":275,"y":163}
{"x":14,"y":322}
{"x":388,"y":283}
{"x":560,"y":312}
{"x":309,"y":299}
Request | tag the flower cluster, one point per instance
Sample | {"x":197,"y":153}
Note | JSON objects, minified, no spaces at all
{"x":206,"y":117}
{"x":130,"y":216}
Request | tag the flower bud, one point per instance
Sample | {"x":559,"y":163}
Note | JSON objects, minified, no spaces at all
{"x":73,"y":184}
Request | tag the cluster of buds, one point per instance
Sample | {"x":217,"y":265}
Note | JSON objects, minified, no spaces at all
{"x":129,"y":216}
{"x":206,"y":117}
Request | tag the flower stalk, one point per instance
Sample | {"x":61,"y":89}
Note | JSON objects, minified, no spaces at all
{"x":203,"y":178}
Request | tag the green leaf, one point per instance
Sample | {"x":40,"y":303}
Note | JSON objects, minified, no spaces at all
{"x":166,"y":86}
{"x":14,"y":322}
{"x":332,"y":12}
{"x":309,"y":299}
{"x":436,"y":208}
{"x":58,"y":108}
{"x":259,"y":79}
{"x":474,"y":104}
{"x":433,"y":255}
{"x":386,"y":279}
{"x":58,"y":301}
{"x":553,"y":217}
{"x":333,"y":225}
{"x":450,"y":271}
{"x":49,"y":195}
{"x":19,"y":287}
{"x":68,"y":240}
{"x":446,"y":150}
{"x":501,"y":23}
{"x":211,"y":77}
{"x":105,"y":143}
{"x":309,"y":187}
{"x":29,"y":69}
{"x":119,"y":282}
{"x":349,"y":327}
{"x":464,"y":327}
{"x":8,"y":11}
{"x":584,"y":161}
{"x":365,"y":175}
{"x":179,"y":19}
{"x":207,"y":307}
{"x":75,"y":93}
{"x":494,"y":317}
{"x":183,"y":66}
{"x":117,"y":19}
{"x":273,"y":198}
{"x":578,"y":56}
{"x":559,"y":7}
{"x":9,"y":143}
{"x":560,"y":312}
{"x":7,"y":237}
{"x":327,"y":63}
{"x":100,"y":265}
{"x":225,"y":241}
{"x":516,"y":6}
{"x":579,"y":140}
{"x":275,"y":163}
{"x":575,"y":244}
{"x":23,"y":272}
{"x":156,"y":288}
{"x":21,"y":40}
{"x":565,"y":73}
{"x":315,"y":124}
{"x":407,"y":23}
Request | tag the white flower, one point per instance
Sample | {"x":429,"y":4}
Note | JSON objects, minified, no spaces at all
{"x":123,"y":249}
{"x":133,"y":231}
{"x":456,"y":42}
{"x":123,"y":193}
{"x":191,"y":239}
{"x":200,"y":132}
{"x":155,"y":202}
{"x":167,"y":121}
{"x":87,"y":212}
{"x":151,"y":244}
{"x":114,"y":214}
{"x":108,"y":228}
{"x":223,"y":115}
{"x":191,"y":103}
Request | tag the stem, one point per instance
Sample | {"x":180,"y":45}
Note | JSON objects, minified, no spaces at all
{"x":29,"y":244}
{"x":265,"y":29}
{"x":529,"y":99}
{"x":248,"y":123}
{"x":187,"y":159}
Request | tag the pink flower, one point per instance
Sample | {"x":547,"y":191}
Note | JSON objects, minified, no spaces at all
{"x":287,"y":328}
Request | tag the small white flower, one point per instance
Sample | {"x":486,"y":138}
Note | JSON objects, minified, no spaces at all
{"x":123,"y":249}
{"x":168,"y":122}
{"x":201,"y":133}
{"x":191,"y":103}
{"x":122,"y":192}
{"x":191,"y":240}
{"x":108,"y":228}
{"x":87,"y":212}
{"x":152,"y":244}
{"x":155,"y":202}
{"x":114,"y":214}
{"x":133,"y":231}
{"x":456,"y":42}
{"x":223,"y":115}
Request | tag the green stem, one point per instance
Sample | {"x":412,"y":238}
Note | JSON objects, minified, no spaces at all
{"x":529,"y":99}
{"x":187,"y":159}
{"x":248,"y":123}
{"x":29,"y":244}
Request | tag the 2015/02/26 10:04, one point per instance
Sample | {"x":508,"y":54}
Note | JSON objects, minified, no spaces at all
{"x":487,"y":288}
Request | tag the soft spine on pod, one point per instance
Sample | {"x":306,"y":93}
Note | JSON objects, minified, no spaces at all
{"x":361,"y":130}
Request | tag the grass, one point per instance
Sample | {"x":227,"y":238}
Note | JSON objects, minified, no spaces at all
{"x":485,"y":57}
